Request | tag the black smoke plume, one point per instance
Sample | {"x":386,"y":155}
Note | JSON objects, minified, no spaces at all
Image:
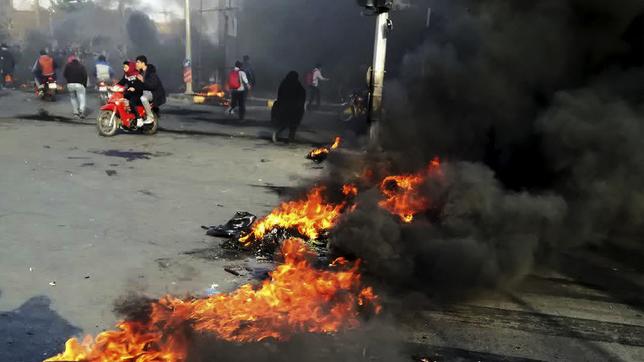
{"x":537,"y":108}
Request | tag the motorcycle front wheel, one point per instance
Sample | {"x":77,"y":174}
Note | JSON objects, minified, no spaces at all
{"x":107,"y":123}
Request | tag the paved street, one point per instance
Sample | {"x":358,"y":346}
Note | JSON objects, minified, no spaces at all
{"x":85,"y":220}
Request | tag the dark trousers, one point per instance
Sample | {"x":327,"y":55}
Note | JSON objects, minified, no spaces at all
{"x":291,"y":132}
{"x":314,"y":95}
{"x":239,"y":101}
{"x":135,"y":101}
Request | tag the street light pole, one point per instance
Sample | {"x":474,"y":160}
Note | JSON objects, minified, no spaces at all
{"x":378,"y":73}
{"x":188,"y":64}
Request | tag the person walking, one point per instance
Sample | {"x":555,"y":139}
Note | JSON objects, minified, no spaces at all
{"x":7,"y":65}
{"x":76,"y":76}
{"x":289,"y":109}
{"x":250,"y":72}
{"x":239,"y":86}
{"x":313,"y":82}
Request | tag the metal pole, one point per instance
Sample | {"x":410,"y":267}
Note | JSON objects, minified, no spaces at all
{"x":378,"y":74}
{"x":201,"y":32}
{"x":188,"y":46}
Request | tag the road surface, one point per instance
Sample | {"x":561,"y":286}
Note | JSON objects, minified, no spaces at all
{"x":85,"y":220}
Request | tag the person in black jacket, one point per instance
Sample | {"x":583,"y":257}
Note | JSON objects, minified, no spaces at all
{"x":76,"y":76}
{"x":7,"y":64}
{"x":133,"y":88}
{"x":289,"y":109}
{"x":153,"y":88}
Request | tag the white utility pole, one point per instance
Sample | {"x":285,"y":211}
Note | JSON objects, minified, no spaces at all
{"x":188,"y":63}
{"x":378,"y":77}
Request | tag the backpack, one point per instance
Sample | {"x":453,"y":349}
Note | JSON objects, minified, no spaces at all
{"x":234,"y":82}
{"x":309,"y":78}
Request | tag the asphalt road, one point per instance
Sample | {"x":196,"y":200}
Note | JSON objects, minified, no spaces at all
{"x":85,"y":220}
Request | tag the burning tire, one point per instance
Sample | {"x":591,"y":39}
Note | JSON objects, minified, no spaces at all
{"x":107,"y":123}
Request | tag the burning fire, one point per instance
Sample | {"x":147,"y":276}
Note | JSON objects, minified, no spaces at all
{"x":322,"y":152}
{"x":310,"y":216}
{"x":296,"y":299}
{"x":210,"y":91}
{"x":402,"y":193}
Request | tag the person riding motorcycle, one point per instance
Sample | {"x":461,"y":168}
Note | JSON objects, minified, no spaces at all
{"x":133,"y":89}
{"x":44,"y":68}
{"x":103,"y":71}
{"x":153,"y":90}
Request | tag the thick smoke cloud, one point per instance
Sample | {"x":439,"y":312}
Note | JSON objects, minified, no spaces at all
{"x":543,"y":101}
{"x":476,"y":236}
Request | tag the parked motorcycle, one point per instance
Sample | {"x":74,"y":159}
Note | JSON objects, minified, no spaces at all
{"x":116,"y":114}
{"x":47,"y":89}
{"x":354,"y":107}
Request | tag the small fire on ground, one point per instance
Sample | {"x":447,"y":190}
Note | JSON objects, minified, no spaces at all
{"x":310,"y":217}
{"x":297,"y":298}
{"x":213,"y":94}
{"x":320,"y":154}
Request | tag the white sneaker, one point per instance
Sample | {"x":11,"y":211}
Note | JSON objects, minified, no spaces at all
{"x":139,"y":122}
{"x":148,"y":120}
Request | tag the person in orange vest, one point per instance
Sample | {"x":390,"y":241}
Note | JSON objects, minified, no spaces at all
{"x":44,"y":67}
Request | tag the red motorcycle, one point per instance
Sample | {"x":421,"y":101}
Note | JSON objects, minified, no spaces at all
{"x":47,"y":89}
{"x":117,"y":114}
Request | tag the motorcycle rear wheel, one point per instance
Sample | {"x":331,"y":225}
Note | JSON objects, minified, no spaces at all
{"x":346,"y":114}
{"x":107,"y":123}
{"x":152,"y":128}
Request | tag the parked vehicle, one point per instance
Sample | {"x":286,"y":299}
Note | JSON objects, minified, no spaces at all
{"x":354,"y":107}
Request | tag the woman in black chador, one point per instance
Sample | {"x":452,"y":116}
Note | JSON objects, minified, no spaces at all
{"x":289,"y":109}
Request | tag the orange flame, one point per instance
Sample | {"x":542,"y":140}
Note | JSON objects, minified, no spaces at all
{"x":209,"y":91}
{"x":310,"y":216}
{"x":325,"y":150}
{"x":298,"y":298}
{"x":402,"y":193}
{"x":336,"y":144}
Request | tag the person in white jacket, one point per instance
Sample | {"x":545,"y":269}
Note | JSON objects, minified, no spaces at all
{"x":314,"y":78}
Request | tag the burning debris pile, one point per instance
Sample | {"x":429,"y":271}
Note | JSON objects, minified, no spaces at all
{"x":297,"y":298}
{"x":309,"y":218}
{"x":211,"y":94}
{"x":314,"y":216}
{"x":319,"y":155}
{"x":241,"y":222}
